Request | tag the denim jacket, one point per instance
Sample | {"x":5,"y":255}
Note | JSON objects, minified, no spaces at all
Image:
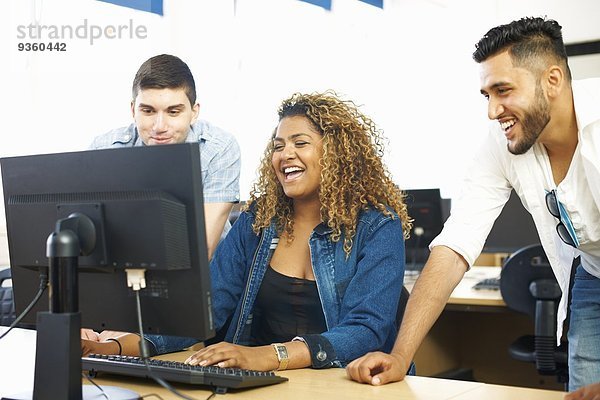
{"x":359,"y":293}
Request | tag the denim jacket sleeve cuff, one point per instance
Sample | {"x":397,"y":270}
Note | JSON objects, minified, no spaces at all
{"x":322,"y":354}
{"x":161,"y":344}
{"x":151,"y":344}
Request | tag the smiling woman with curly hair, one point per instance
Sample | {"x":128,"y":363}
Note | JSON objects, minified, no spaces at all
{"x":311,"y":272}
{"x":353,"y":175}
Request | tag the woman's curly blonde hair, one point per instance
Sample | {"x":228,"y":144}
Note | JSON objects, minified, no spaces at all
{"x":353,"y":175}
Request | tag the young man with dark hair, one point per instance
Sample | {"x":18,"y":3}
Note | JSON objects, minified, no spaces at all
{"x":544,"y":143}
{"x":165,"y":111}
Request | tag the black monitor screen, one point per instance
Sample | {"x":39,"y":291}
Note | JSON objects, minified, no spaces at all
{"x":425,"y":208}
{"x":513,"y":229}
{"x":147,"y":210}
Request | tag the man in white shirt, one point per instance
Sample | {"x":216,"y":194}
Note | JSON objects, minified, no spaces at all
{"x":545,"y":143}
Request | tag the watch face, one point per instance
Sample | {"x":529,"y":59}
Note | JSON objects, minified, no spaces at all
{"x":282,"y":355}
{"x":283,"y":351}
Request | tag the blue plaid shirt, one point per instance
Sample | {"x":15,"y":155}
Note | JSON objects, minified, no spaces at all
{"x":219,"y":157}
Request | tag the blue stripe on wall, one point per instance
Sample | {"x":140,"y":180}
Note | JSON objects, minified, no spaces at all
{"x":153,"y":6}
{"x":376,"y":3}
{"x":326,"y":4}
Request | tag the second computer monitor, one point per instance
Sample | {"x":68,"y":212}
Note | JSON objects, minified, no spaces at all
{"x":513,"y":229}
{"x":425,"y":207}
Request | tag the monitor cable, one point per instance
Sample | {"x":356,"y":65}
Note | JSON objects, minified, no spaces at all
{"x":41,"y":290}
{"x":136,"y":280}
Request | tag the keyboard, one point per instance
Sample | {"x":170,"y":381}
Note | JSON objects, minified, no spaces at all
{"x":220,"y":379}
{"x":488,"y":284}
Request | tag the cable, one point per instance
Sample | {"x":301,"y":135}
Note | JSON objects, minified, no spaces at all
{"x":86,"y":376}
{"x":151,"y":395}
{"x":103,"y":393}
{"x":42,"y":288}
{"x":144,"y":352}
{"x":137,"y":281}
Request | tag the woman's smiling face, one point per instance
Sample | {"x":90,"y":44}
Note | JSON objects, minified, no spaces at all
{"x":297,"y":151}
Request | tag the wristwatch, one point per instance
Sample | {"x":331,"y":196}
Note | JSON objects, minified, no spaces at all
{"x":282,"y":355}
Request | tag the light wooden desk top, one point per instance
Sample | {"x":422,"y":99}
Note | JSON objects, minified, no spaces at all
{"x":17,"y":352}
{"x":464,"y":294}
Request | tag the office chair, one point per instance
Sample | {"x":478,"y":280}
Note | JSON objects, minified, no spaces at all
{"x":235,"y":212}
{"x":402,"y":305}
{"x":529,"y":286}
{"x":7,"y":305}
{"x":399,"y":315}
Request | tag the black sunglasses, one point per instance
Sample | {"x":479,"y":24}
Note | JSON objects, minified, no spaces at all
{"x":561,"y":229}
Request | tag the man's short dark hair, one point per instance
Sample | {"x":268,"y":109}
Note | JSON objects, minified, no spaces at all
{"x":165,"y":72}
{"x":529,"y":40}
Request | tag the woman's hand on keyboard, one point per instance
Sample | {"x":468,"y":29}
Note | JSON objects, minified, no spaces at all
{"x":227,"y":355}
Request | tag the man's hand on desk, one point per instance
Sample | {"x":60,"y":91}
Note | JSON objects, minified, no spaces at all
{"x":589,"y":392}
{"x":378,"y":368}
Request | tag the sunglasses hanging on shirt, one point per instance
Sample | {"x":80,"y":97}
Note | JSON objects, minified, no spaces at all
{"x":565,"y":231}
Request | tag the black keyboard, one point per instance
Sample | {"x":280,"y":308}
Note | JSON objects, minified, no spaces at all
{"x":220,"y":379}
{"x":488,"y":284}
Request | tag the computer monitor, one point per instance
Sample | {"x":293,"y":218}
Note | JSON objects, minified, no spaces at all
{"x":513,"y":229}
{"x":146,"y":211}
{"x":425,"y":207}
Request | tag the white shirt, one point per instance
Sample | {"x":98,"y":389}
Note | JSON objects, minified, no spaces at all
{"x":495,"y":171}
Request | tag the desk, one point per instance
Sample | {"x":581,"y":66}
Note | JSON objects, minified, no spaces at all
{"x":465,"y":295}
{"x":474,"y":332}
{"x":303,"y":384}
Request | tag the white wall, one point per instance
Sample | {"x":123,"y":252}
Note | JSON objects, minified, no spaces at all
{"x":409,"y":65}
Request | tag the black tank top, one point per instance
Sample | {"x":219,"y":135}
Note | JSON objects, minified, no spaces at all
{"x":286,"y":307}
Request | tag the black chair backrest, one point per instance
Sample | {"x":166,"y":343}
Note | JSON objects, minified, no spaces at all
{"x":527,"y":277}
{"x":7,"y":304}
{"x":528,"y":285}
{"x":235,"y":212}
{"x":402,"y":305}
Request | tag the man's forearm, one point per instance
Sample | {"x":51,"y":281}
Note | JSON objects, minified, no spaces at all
{"x":443,"y":271}
{"x":215,"y":217}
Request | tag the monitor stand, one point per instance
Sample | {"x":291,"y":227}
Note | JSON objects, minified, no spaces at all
{"x":90,"y":392}
{"x":58,"y":344}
